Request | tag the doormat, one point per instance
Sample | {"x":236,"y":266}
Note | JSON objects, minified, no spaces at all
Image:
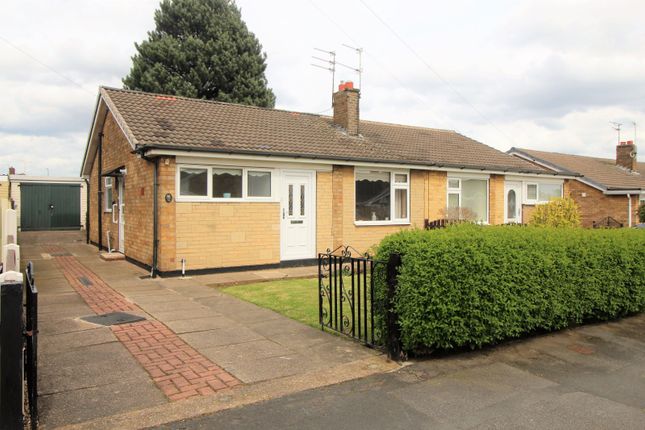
{"x":113,"y":318}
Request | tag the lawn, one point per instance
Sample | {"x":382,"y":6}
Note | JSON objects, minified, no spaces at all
{"x":293,"y":298}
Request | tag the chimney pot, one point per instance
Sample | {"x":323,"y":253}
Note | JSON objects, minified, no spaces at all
{"x":12,"y":170}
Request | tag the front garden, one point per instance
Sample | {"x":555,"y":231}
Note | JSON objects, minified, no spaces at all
{"x":468,"y":286}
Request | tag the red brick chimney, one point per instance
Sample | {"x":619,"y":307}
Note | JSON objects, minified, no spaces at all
{"x":346,"y":107}
{"x":626,"y":155}
{"x":12,"y":170}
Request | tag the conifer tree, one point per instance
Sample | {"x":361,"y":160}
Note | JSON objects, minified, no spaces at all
{"x":201,"y":49}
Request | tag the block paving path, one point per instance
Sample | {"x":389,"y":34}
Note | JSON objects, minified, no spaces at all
{"x":176,"y":368}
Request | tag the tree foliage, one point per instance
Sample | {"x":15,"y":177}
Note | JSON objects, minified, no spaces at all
{"x":201,"y":49}
{"x":559,"y":212}
{"x":641,"y":212}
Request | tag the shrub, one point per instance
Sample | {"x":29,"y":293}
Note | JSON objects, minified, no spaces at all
{"x":468,"y":285}
{"x":641,"y":212}
{"x":559,"y":212}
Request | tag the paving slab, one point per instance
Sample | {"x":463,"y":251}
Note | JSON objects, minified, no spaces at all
{"x":219,"y":337}
{"x":89,"y":372}
{"x":96,"y":402}
{"x":69,"y":341}
{"x":200,"y":324}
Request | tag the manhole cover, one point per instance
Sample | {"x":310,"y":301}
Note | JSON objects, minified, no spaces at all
{"x":83,"y":280}
{"x":113,"y":318}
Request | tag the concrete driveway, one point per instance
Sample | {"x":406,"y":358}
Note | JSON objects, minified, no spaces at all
{"x":591,"y":377}
{"x":197,"y":351}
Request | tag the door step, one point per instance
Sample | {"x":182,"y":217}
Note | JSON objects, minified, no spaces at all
{"x":112,"y":256}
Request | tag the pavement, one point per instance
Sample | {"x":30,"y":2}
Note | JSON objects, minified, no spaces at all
{"x":590,"y":377}
{"x":197,"y":351}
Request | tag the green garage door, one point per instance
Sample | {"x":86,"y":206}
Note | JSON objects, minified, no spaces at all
{"x":50,"y":206}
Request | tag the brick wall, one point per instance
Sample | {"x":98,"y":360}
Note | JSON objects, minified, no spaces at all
{"x":496,"y":199}
{"x":167,"y":260}
{"x":595,"y":205}
{"x":138,"y":199}
{"x":324,"y":211}
{"x":436,"y":194}
{"x":207,"y":236}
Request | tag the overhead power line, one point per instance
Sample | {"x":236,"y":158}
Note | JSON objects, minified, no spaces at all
{"x":381,"y":64}
{"x":435,"y":72}
{"x":45,"y":65}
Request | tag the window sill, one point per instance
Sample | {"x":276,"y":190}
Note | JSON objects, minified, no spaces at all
{"x":379,"y":223}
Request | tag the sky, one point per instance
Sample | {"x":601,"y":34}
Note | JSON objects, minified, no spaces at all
{"x":545,"y":74}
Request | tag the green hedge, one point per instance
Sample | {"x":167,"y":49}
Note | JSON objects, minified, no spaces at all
{"x":468,"y":286}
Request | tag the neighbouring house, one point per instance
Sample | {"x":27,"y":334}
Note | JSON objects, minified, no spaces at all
{"x":183,"y":183}
{"x":604,"y":188}
{"x":48,"y":202}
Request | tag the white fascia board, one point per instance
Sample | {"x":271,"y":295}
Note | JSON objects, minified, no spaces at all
{"x":534,"y":160}
{"x":623,"y":192}
{"x":309,"y":161}
{"x":269,"y":163}
{"x":46,"y":179}
{"x":90,"y":138}
{"x":538,"y":179}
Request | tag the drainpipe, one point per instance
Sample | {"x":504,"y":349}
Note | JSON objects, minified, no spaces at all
{"x":87,"y":211}
{"x":100,"y":192}
{"x":629,"y":210}
{"x":155,"y":218}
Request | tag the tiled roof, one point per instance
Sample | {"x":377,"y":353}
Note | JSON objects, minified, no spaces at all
{"x":153,"y":120}
{"x":602,"y":171}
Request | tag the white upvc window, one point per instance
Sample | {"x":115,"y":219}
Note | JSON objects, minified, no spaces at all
{"x":542,"y":192}
{"x":108,"y":193}
{"x":224,"y":183}
{"x":467,"y":198}
{"x":381,"y":197}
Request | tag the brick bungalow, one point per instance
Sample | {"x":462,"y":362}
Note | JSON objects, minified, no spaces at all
{"x":605,"y":188}
{"x":177,"y":182}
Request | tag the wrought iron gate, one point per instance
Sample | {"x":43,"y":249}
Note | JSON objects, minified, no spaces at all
{"x":345,"y":294}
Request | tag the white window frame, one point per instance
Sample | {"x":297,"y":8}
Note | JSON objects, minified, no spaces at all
{"x":537,"y":200}
{"x":458,"y":191}
{"x":107,"y":205}
{"x":537,"y":192}
{"x":179,"y":197}
{"x":453,"y":190}
{"x":209,"y":184}
{"x":393,"y":187}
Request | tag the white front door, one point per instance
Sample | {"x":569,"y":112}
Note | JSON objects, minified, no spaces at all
{"x":298,"y":225}
{"x":121,"y":208}
{"x":513,"y":202}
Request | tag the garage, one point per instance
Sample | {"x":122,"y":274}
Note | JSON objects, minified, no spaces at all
{"x":45,"y":203}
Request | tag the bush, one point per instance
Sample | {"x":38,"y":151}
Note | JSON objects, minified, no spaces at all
{"x":641,"y":212}
{"x":468,"y":285}
{"x":559,"y":212}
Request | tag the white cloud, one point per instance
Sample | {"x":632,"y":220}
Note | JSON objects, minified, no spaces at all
{"x":545,"y":74}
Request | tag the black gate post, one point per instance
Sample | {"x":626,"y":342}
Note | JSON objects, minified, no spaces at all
{"x":31,"y":351}
{"x":11,"y":360}
{"x":393,"y":338}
